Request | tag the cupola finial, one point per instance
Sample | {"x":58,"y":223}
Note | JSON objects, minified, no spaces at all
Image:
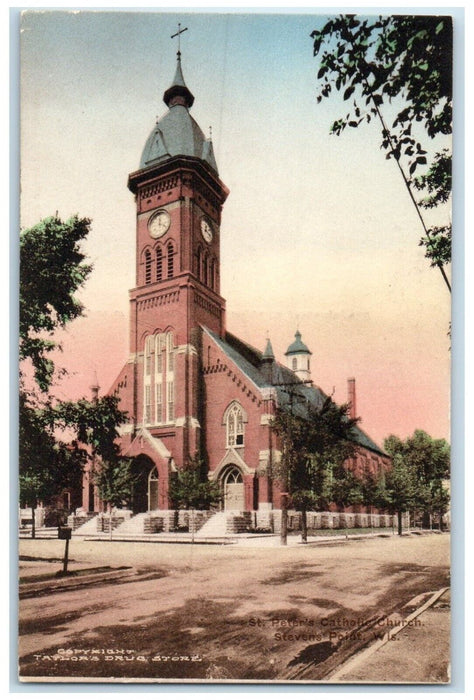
{"x":178,"y":93}
{"x":178,"y":34}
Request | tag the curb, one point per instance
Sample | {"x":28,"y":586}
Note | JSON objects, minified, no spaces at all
{"x":30,"y":590}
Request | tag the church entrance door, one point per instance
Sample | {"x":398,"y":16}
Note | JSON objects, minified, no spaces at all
{"x":233,"y":489}
{"x":142,"y":467}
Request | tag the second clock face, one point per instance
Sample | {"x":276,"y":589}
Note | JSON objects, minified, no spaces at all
{"x":206,"y":230}
{"x":158,"y":224}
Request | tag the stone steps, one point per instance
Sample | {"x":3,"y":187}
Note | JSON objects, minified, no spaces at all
{"x":88,"y":528}
{"x":216,"y":526}
{"x":77,"y":521}
{"x":133,"y":525}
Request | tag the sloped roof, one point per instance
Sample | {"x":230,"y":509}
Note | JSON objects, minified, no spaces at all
{"x":297,"y":346}
{"x":288,"y":387}
{"x":176,"y":133}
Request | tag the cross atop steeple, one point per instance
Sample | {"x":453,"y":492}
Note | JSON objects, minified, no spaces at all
{"x":178,"y":34}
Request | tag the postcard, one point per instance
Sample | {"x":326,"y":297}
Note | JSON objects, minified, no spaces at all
{"x":235,"y":293}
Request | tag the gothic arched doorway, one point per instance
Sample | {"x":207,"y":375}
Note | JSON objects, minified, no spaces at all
{"x":232,"y":485}
{"x":142,"y":470}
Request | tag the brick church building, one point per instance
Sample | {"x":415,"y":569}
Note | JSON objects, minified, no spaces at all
{"x":189,"y":386}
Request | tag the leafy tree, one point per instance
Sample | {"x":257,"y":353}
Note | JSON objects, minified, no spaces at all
{"x":47,"y":465}
{"x":373,"y":488}
{"x":401,"y":489}
{"x":313,"y":442}
{"x":52,"y":269}
{"x":429,"y":460}
{"x":346,"y":487}
{"x":190,"y":489}
{"x":114,"y":480}
{"x":406,"y":62}
{"x":95,"y":423}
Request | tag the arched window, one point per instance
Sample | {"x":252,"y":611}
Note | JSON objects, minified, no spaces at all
{"x":147,"y":267}
{"x":149,"y":343}
{"x":159,"y":264}
{"x":159,"y":353}
{"x":233,"y":476}
{"x":294,"y":364}
{"x":235,"y":426}
{"x":159,"y":379}
{"x":205,"y":270}
{"x":170,"y":253}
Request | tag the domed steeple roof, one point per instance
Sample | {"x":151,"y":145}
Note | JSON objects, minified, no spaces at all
{"x":297,"y":347}
{"x":176,"y":133}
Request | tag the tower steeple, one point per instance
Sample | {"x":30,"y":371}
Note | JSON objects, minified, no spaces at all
{"x":176,"y":133}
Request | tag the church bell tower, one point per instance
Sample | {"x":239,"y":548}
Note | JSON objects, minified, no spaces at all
{"x":179,"y":199}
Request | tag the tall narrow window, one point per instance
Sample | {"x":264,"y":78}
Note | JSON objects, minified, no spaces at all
{"x":159,"y":403}
{"x":170,"y":400}
{"x":205,"y":277}
{"x":148,"y":351}
{"x":235,"y":426}
{"x":159,"y":264}
{"x":294,"y":364}
{"x":147,"y":403}
{"x":170,"y":253}
{"x":169,"y":353}
{"x":147,"y":267}
{"x":159,"y":355}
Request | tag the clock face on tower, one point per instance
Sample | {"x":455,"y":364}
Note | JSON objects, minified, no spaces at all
{"x":206,"y":230}
{"x":158,"y":224}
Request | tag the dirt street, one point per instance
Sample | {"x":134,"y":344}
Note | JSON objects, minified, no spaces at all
{"x":230,"y":612}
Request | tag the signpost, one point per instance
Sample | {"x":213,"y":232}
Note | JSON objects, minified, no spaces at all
{"x":65,"y":533}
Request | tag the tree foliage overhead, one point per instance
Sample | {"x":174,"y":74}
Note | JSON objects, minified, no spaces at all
{"x":52,"y":269}
{"x":404,"y":61}
{"x":95,"y":423}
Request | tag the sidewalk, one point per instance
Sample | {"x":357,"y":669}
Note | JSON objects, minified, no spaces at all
{"x":417,"y":653}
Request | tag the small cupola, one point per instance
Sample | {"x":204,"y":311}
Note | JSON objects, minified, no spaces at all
{"x":298,"y":358}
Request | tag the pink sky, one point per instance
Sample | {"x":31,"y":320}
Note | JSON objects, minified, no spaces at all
{"x":318,"y":231}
